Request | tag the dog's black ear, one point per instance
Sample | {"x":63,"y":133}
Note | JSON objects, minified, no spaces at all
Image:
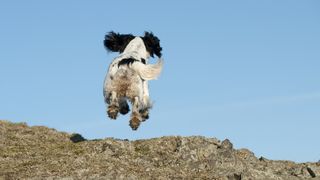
{"x":116,"y":42}
{"x":152,"y":44}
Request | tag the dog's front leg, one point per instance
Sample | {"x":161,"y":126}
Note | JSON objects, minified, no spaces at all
{"x":123,"y":106}
{"x":113,"y":107}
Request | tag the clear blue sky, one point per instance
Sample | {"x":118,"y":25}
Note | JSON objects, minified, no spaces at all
{"x":248,"y":71}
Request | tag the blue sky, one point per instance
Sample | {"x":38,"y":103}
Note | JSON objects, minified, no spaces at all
{"x":247,"y":71}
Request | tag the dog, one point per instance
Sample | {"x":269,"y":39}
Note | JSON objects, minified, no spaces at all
{"x":129,"y":73}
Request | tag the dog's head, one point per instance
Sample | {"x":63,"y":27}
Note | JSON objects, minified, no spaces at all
{"x":116,"y":42}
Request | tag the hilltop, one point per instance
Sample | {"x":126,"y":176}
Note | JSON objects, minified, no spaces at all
{"x":43,"y":153}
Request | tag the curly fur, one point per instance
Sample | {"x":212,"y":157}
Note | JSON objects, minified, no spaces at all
{"x":129,"y":73}
{"x":152,"y":44}
{"x":116,"y":42}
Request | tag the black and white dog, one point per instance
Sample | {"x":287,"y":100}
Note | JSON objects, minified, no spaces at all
{"x":129,"y":73}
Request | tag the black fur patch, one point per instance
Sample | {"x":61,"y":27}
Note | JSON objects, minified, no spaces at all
{"x":116,"y":42}
{"x":126,"y":61}
{"x":152,"y":44}
{"x":143,"y":61}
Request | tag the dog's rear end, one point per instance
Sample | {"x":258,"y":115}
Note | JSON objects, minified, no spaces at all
{"x":129,"y":73}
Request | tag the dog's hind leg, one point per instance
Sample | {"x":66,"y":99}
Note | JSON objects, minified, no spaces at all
{"x":135,"y":116}
{"x":144,"y":114}
{"x":144,"y":111}
{"x":113,"y":107}
{"x":146,"y":102}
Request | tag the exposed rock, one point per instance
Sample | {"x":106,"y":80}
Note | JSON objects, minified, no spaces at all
{"x":42,"y":153}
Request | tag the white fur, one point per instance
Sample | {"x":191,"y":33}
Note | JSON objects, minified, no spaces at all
{"x":149,"y":71}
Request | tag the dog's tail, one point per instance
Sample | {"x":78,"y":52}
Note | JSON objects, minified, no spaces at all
{"x":148,"y":71}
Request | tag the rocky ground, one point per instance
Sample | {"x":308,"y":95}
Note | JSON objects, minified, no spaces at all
{"x":42,"y":153}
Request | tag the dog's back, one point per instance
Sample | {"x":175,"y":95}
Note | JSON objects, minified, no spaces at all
{"x":125,"y":82}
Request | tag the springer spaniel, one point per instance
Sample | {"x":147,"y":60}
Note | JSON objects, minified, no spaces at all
{"x":129,"y":73}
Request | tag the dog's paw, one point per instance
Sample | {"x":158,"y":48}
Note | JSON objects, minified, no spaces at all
{"x":113,"y":112}
{"x":145,"y":115}
{"x":134,"y":123}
